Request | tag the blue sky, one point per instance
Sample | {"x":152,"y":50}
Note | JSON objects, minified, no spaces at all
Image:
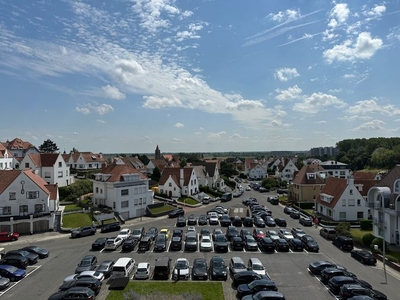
{"x":198,"y":76}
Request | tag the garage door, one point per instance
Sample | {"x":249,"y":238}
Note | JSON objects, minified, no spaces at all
{"x":125,"y":215}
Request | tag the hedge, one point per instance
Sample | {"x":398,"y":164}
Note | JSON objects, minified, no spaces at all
{"x":366,"y":225}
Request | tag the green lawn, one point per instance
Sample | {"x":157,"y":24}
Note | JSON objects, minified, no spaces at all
{"x":209,"y":290}
{"x":188,"y":201}
{"x":76,"y":220}
{"x":161,"y":209}
{"x":71,"y":207}
{"x":358,"y":233}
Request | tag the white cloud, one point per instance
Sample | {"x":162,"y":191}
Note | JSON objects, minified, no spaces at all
{"x":237,"y":136}
{"x":101,"y":109}
{"x":101,"y":121}
{"x":349,"y":76}
{"x":83,"y":110}
{"x":317,"y":102}
{"x":376,"y":12}
{"x":127,"y":71}
{"x":285,"y":16}
{"x":340,"y":13}
{"x":111,"y":92}
{"x":320,"y":122}
{"x":284,"y":74}
{"x":176,"y":140}
{"x":179,"y":125}
{"x":363,"y":48}
{"x":372,"y":125}
{"x":371,"y":106}
{"x":291,"y":93}
{"x":156,"y":102}
{"x":216,"y":134}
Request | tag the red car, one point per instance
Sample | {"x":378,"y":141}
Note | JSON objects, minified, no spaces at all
{"x":258,"y":234}
{"x":7,"y":236}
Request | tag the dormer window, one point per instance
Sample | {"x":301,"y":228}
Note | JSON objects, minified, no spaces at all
{"x":397,"y":187}
{"x":351,"y":192}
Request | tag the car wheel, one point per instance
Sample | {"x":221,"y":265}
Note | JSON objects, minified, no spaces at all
{"x":341,"y":247}
{"x":13,"y":239}
{"x":12,"y":279}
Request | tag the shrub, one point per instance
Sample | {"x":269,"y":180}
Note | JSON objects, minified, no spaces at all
{"x":367,"y":239}
{"x":377,"y":241}
{"x":392,"y":258}
{"x":357,"y":240}
{"x":343,"y":228}
{"x":366,"y":225}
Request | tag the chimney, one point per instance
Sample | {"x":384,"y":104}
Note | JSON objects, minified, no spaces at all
{"x":181,"y":178}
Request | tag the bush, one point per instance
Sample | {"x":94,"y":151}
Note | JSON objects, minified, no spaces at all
{"x":366,"y":225}
{"x":392,"y":258}
{"x":357,"y":240}
{"x":343,"y":228}
{"x":367,"y":239}
{"x":377,"y":241}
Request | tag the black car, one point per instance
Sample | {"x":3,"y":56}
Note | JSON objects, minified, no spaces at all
{"x":218,"y":269}
{"x":328,"y":273}
{"x":225,"y":221}
{"x":335,"y":283}
{"x":160,"y":243}
{"x":258,"y":222}
{"x":245,"y":277}
{"x":99,"y":243}
{"x":317,"y":266}
{"x":305,"y":221}
{"x":177,"y":232}
{"x":130,"y":244}
{"x":83,"y":231}
{"x":288,"y":210}
{"x":255,"y":286}
{"x":281,"y":222}
{"x":281,"y":245}
{"x":237,"y":221}
{"x":216,"y":231}
{"x":295,"y":244}
{"x":199,"y":269}
{"x":309,"y":243}
{"x":202,"y":220}
{"x":266,"y":244}
{"x":220,"y":243}
{"x":110,"y":227}
{"x":176,"y":213}
{"x":364,"y":257}
{"x":243,"y":232}
{"x":295,"y":214}
{"x":269,"y":221}
{"x":74,"y":293}
{"x":181,"y":221}
{"x":87,"y":263}
{"x":91,"y":283}
{"x":106,"y":267}
{"x":250,"y":244}
{"x":248,"y":222}
{"x":145,"y":244}
{"x":152,"y":232}
{"x":231,"y":231}
{"x":21,"y":262}
{"x":43,"y":253}
{"x":350,"y":290}
{"x":263,"y":190}
{"x":192,"y":219}
{"x":32,"y":257}
{"x":176,"y":243}
{"x":237,"y":243}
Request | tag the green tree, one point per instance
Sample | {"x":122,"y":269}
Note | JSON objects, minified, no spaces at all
{"x":48,"y":146}
{"x":182,"y":163}
{"x":156,"y":174}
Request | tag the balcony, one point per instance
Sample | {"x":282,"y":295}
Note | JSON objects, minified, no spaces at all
{"x":379,"y":223}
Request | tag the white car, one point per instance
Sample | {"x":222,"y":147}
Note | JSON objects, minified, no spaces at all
{"x":285,"y":234}
{"x":85,"y":274}
{"x":181,"y":269}
{"x":248,"y":188}
{"x":142,"y":271}
{"x":205,"y":243}
{"x":256,"y":265}
{"x":113,"y":243}
{"x":213,"y":218}
{"x":124,"y":233}
{"x":273,"y":234}
{"x":191,"y":228}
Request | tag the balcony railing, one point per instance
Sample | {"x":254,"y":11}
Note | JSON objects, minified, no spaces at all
{"x":379,"y":223}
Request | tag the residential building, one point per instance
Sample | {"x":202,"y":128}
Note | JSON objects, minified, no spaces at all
{"x":202,"y":175}
{"x":254,"y":169}
{"x":84,"y":160}
{"x":50,"y":166}
{"x":122,"y":188}
{"x":135,"y":162}
{"x":323,"y":151}
{"x":307,"y":184}
{"x":336,"y":168}
{"x":24,"y":193}
{"x":285,"y":170}
{"x":7,"y":161}
{"x":177,"y":182}
{"x":214,"y":179}
{"x":19,"y":148}
{"x":344,"y":199}
{"x":384,"y":202}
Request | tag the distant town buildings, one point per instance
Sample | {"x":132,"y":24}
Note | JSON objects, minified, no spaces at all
{"x":321,"y":151}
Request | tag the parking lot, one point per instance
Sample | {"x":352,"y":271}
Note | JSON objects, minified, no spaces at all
{"x":287,"y":269}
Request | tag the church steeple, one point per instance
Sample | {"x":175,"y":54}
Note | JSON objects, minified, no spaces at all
{"x":157,"y":153}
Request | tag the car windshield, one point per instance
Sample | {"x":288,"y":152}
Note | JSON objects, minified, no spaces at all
{"x":206,"y":240}
{"x":181,"y":265}
{"x":141,"y":269}
{"x":11,"y":269}
{"x":239,"y":266}
{"x":137,"y":231}
{"x":220,"y":238}
{"x":309,"y":239}
{"x":218,"y":265}
{"x":200,"y":265}
{"x":85,"y":263}
{"x":258,"y":267}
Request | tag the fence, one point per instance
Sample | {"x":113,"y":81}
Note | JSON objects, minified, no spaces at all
{"x":29,"y":226}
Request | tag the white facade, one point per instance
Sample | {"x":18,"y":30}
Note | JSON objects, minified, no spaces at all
{"x":129,"y":197}
{"x":85,"y":161}
{"x":336,"y":169}
{"x":287,"y":172}
{"x":258,"y":172}
{"x":7,"y":161}
{"x":23,"y":197}
{"x":171,"y":188}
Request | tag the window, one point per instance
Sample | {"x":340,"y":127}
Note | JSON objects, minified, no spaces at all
{"x":170,"y":184}
{"x":352,"y":202}
{"x":124,"y":204}
{"x":13,"y":196}
{"x":125,"y":192}
{"x":66,"y":173}
{"x":32,"y":195}
{"x":97,"y":189}
{"x":26,"y":165}
{"x":59,"y":164}
{"x":351,"y":192}
{"x":23,"y":209}
{"x":358,"y":202}
{"x":60,"y":174}
{"x":397,"y":187}
{"x":90,"y":165}
{"x":343,"y":202}
{"x":47,"y":175}
{"x":7,"y":210}
{"x":360,"y":215}
{"x":39,"y":208}
{"x":101,"y":191}
{"x":342,"y":215}
{"x":114,"y":205}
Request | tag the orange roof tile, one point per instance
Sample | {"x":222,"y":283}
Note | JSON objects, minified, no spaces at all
{"x":7,"y":177}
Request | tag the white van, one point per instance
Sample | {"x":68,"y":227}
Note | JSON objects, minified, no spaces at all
{"x":123,"y":267}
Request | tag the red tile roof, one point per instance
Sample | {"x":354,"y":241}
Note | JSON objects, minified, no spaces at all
{"x":300,"y":177}
{"x":117,"y":169}
{"x":38,"y":180}
{"x":364,"y":175}
{"x":18,"y":144}
{"x":44,"y":159}
{"x":7,"y":177}
{"x":53,"y":189}
{"x":175,"y":175}
{"x":334,"y":187}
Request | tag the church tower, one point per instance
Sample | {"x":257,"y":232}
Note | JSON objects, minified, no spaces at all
{"x":157,"y":153}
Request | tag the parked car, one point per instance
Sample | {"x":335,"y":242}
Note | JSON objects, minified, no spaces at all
{"x":258,"y":222}
{"x":328,"y":233}
{"x":176,"y":213}
{"x":199,"y":269}
{"x":31,"y":257}
{"x":265,"y":295}
{"x":258,"y":233}
{"x":237,"y":221}
{"x":343,"y":243}
{"x":202,"y":220}
{"x":110,"y":227}
{"x":216,"y":231}
{"x":231,"y":231}
{"x":213,"y":218}
{"x":255,"y":264}
{"x":77,"y":292}
{"x":124,"y":233}
{"x":335,"y":283}
{"x":8,"y":236}
{"x":287,"y":210}
{"x":11,"y":272}
{"x":85,"y":274}
{"x":83,"y":231}
{"x":225,"y":221}
{"x":285,"y":234}
{"x":4,"y":283}
{"x":138,"y":233}
{"x":236,"y":265}
{"x":364,"y":256}
{"x":192,"y":219}
{"x":298,"y":232}
{"x":295,"y":244}
{"x":237,"y":243}
{"x":255,"y":286}
{"x":106,"y":267}
{"x":152,"y":233}
{"x":130,"y":244}
{"x":166,"y":232}
{"x":217,"y":269}
{"x":145,"y":244}
{"x":295,"y":214}
{"x":113,"y":243}
{"x":191,"y":241}
{"x":309,"y":243}
{"x":269,"y":221}
{"x":350,"y":290}
{"x":250,"y":244}
{"x":305,"y":221}
{"x":160,"y":243}
{"x":281,"y":245}
{"x":317,"y":266}
{"x":330,"y":272}
{"x":266,"y":244}
{"x":181,"y":221}
{"x":99,"y":243}
{"x":43,"y":253}
{"x":205,"y":243}
{"x":181,"y":269}
{"x":20,"y":262}
{"x":281,"y":222}
{"x":91,"y":283}
{"x":87,"y":263}
{"x":176,"y":243}
{"x":142,"y":271}
{"x":177,"y":232}
{"x":220,"y":243}
{"x":248,"y":222}
{"x":245,"y":277}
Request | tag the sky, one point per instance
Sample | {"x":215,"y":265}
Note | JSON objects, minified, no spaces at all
{"x":198,"y":76}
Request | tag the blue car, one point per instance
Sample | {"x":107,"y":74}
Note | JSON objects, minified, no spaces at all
{"x":11,"y":272}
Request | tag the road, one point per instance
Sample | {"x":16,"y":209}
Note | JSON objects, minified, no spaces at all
{"x":288,"y":270}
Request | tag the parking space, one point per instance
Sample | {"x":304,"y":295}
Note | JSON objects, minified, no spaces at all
{"x":29,"y":271}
